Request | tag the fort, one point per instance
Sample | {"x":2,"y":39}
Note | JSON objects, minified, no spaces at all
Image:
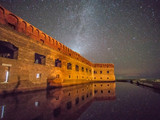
{"x":32,"y":60}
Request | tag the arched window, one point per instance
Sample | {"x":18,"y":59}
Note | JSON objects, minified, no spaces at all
{"x":77,"y":68}
{"x":86,"y":70}
{"x":95,"y":72}
{"x":82,"y":69}
{"x":69,"y":66}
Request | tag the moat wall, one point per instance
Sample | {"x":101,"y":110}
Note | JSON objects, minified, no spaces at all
{"x":35,"y":60}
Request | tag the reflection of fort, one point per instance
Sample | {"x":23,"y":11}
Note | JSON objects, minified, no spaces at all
{"x":31,"y":59}
{"x":65,"y":103}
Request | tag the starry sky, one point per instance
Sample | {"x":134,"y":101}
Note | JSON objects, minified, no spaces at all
{"x":123,"y":32}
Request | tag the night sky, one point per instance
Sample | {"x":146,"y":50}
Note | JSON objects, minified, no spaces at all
{"x":123,"y":32}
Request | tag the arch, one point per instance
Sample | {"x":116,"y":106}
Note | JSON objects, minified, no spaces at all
{"x":76,"y":67}
{"x":56,"y":42}
{"x":30,"y":29}
{"x":36,"y":33}
{"x":49,"y":40}
{"x":8,"y":50}
{"x":2,"y":12}
{"x":69,"y":66}
{"x":53,"y":41}
{"x":60,"y":45}
{"x":23,"y":26}
{"x":12,"y":20}
{"x":42,"y":38}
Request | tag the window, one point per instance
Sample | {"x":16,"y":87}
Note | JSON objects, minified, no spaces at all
{"x":57,"y":63}
{"x":100,"y":72}
{"x":69,"y":76}
{"x":77,"y":100}
{"x":95,"y":91}
{"x":82,"y":69}
{"x":38,"y":75}
{"x":90,"y":71}
{"x":83,"y":97}
{"x":86,"y":70}
{"x":57,"y":76}
{"x":95,"y":72}
{"x":77,"y":68}
{"x":69,"y":66}
{"x":107,"y":71}
{"x":8,"y":50}
{"x":69,"y":105}
{"x":56,"y":112}
{"x":40,"y":59}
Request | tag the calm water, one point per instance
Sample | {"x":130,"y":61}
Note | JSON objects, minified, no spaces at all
{"x":97,"y":101}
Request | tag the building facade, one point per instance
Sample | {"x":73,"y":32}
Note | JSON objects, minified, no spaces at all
{"x":31,"y":59}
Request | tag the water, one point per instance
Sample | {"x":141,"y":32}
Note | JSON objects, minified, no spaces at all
{"x":97,"y":101}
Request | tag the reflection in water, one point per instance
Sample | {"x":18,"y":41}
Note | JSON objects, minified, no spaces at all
{"x":61,"y":103}
{"x":2,"y":112}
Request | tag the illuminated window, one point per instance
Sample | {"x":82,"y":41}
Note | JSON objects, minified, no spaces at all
{"x":36,"y":103}
{"x":7,"y":76}
{"x":38,"y":75}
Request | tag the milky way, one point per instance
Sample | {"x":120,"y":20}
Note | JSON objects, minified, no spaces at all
{"x":123,"y":32}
